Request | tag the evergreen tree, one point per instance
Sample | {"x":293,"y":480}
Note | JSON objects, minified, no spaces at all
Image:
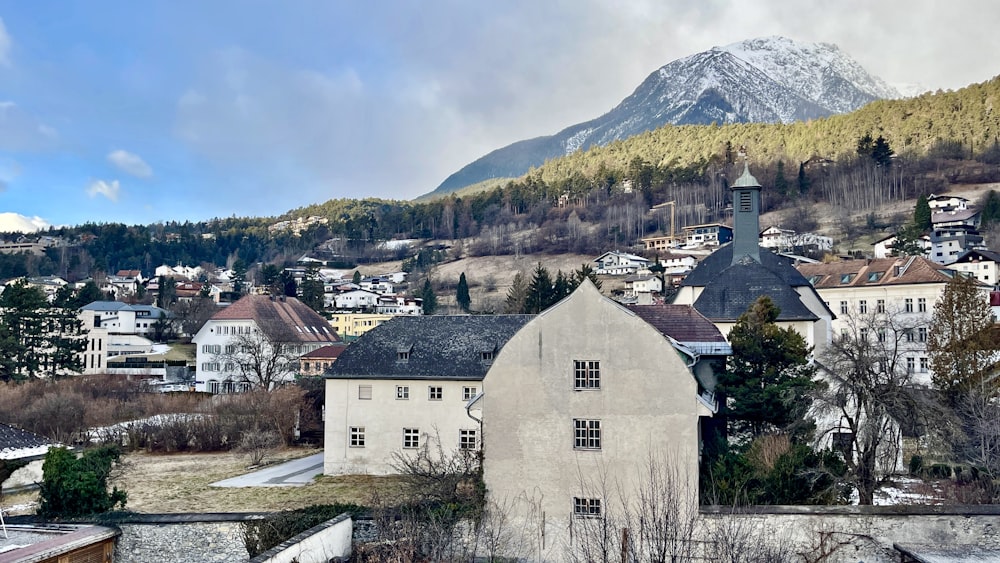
{"x":429,"y":298}
{"x":78,"y":486}
{"x":239,"y":276}
{"x":356,"y":278}
{"x":908,"y":241}
{"x":990,"y":206}
{"x":922,"y":214}
{"x":562,"y":287}
{"x":516,"y":295}
{"x":865,"y":145}
{"x":168,"y":292}
{"x":541,"y":291}
{"x":803,"y":179}
{"x":586,"y":271}
{"x":959,"y":339}
{"x":37,"y":339}
{"x":462,"y":293}
{"x":87,"y":295}
{"x":780,"y":182}
{"x":767,"y":378}
{"x":882,"y":152}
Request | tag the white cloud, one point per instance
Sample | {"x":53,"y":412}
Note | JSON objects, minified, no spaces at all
{"x":130,"y":163}
{"x":109,"y":190}
{"x":17,"y":223}
{"x":4,"y":45}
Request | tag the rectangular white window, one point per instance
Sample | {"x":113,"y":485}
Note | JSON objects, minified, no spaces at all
{"x":586,"y":434}
{"x":469,"y":393}
{"x":365,"y":392}
{"x":357,"y":436}
{"x":921,"y":305}
{"x":843,"y":307}
{"x":880,"y":306}
{"x":908,"y":305}
{"x":586,"y":507}
{"x":435,"y":393}
{"x":925,"y":365}
{"x":402,"y":392}
{"x":466,"y":439}
{"x":911,"y":365}
{"x":922,"y":334}
{"x":411,"y":438}
{"x":863,"y":307}
{"x":586,"y":374}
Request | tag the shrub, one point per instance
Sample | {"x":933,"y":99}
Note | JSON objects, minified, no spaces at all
{"x":939,"y":471}
{"x":261,"y":535}
{"x":78,"y":486}
{"x":916,"y":464}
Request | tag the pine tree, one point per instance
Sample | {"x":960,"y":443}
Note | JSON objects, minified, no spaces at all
{"x":780,"y":182}
{"x":429,"y":298}
{"x":768,"y":376}
{"x":803,"y":179}
{"x":922,"y":214}
{"x":586,"y":271}
{"x":462,"y":293}
{"x":990,"y":207}
{"x":541,"y":294}
{"x":516,"y":295}
{"x":882,"y":152}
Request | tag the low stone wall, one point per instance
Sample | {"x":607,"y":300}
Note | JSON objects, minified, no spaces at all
{"x":169,"y":538}
{"x":849,"y":533}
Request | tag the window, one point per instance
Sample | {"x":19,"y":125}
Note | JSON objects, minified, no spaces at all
{"x":411,"y":437}
{"x":863,"y":307}
{"x":466,"y":439}
{"x":921,"y":305}
{"x":846,"y":278}
{"x":874,"y":276}
{"x":402,"y":392}
{"x":863,"y":334}
{"x":908,"y":333}
{"x":587,"y":434}
{"x":365,"y":392}
{"x":586,"y":507}
{"x":357,"y":436}
{"x":210,"y":366}
{"x":230,"y":349}
{"x":910,"y":365}
{"x":881,"y":334}
{"x":908,"y":305}
{"x":487,"y":356}
{"x":880,"y":306}
{"x":435,"y":393}
{"x":843,"y":307}
{"x":924,"y":365}
{"x":586,"y":374}
{"x":922,"y":334}
{"x":469,"y":393}
{"x":305,"y":366}
{"x":402,"y":356}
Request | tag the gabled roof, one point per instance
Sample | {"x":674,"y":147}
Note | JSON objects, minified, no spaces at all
{"x":901,"y":270}
{"x":17,"y":444}
{"x":713,"y":265}
{"x":331,"y":352}
{"x":284,"y":319}
{"x":957,"y":215}
{"x":683,"y":323}
{"x":435,"y":347}
{"x":972,"y":255}
{"x":631,"y":257}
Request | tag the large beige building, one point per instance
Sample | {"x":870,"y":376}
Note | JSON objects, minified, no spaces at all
{"x":577,"y":404}
{"x":889,"y":300}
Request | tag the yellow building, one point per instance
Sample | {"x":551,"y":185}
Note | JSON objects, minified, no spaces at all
{"x":352,"y":325}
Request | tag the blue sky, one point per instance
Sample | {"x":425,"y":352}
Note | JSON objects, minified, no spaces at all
{"x":151,"y":111}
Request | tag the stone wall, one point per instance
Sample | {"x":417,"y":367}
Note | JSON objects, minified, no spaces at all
{"x":170,"y":538}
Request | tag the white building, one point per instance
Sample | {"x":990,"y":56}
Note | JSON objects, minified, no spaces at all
{"x":984,"y":265}
{"x":616,"y":263}
{"x":269,"y":322}
{"x":404,"y":386}
{"x":357,"y":299}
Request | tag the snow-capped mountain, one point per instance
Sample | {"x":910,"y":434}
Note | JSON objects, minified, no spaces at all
{"x":770,"y":79}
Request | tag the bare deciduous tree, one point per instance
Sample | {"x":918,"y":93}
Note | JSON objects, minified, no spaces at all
{"x":255,"y":360}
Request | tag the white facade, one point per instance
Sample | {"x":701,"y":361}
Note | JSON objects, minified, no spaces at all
{"x":357,"y":299}
{"x":368,"y":421}
{"x":983,"y":266}
{"x":617,"y":263}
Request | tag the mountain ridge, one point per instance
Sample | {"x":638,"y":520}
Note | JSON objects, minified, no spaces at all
{"x":769,"y":79}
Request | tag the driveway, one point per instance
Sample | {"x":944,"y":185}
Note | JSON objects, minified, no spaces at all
{"x":294,"y":473}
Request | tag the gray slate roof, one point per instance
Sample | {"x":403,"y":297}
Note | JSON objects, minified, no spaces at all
{"x":713,"y":265}
{"x":16,"y":443}
{"x":439,"y":346}
{"x":735,"y":288}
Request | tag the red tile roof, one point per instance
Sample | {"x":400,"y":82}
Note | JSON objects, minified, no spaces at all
{"x":284,"y":319}
{"x":901,"y":270}
{"x":683,"y":323}
{"x":325,"y":353}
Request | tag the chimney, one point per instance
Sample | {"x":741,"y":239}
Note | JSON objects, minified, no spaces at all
{"x":746,"y":216}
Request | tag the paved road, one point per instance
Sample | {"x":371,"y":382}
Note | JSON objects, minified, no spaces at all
{"x":293,"y":473}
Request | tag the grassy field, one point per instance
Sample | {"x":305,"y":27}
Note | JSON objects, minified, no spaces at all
{"x":180,"y":483}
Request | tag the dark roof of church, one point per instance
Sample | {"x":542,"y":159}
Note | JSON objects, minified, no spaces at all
{"x":428,"y":347}
{"x":714,"y":264}
{"x":734,"y":288}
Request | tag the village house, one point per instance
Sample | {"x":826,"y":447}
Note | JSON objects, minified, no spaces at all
{"x":405,"y":385}
{"x":947,"y":203}
{"x":617,"y":263}
{"x":356,"y":300}
{"x":710,"y":234}
{"x":984,"y":265}
{"x":579,"y":403}
{"x":724,"y":285}
{"x":885,"y":247}
{"x":949,"y":242}
{"x":275,"y":327}
{"x":349,"y":326}
{"x":319,"y":360}
{"x":115,"y":330}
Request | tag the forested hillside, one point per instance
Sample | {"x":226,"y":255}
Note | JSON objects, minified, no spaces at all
{"x":591,"y":201}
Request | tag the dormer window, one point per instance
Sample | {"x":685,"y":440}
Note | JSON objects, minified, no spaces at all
{"x":487,"y":356}
{"x":403,"y":353}
{"x":874,"y":276}
{"x":846,"y":278}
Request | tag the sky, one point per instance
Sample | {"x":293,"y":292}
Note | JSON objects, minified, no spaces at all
{"x":180,"y":110}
